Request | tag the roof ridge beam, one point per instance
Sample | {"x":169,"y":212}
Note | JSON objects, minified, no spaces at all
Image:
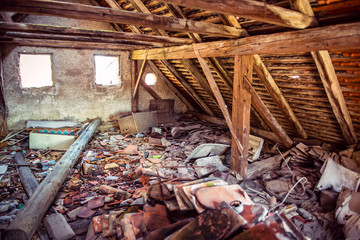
{"x":256,"y":10}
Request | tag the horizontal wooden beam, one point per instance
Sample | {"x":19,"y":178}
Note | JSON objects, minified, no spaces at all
{"x":66,"y":44}
{"x":337,"y":37}
{"x":86,"y":12}
{"x":250,"y":9}
{"x":81,"y":39}
{"x":57,"y":30}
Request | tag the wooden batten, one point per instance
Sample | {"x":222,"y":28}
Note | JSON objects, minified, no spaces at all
{"x":86,"y":12}
{"x":277,"y":95}
{"x":134,"y":98}
{"x":188,"y":88}
{"x":243,"y":68}
{"x":268,"y":117}
{"x":337,"y":37}
{"x":252,"y":9}
{"x":160,"y":75}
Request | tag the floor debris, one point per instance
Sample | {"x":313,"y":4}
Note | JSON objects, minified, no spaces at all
{"x":174,"y":182}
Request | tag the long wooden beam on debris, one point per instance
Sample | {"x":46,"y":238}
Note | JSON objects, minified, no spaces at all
{"x":337,"y":37}
{"x":28,"y":179}
{"x":29,"y":218}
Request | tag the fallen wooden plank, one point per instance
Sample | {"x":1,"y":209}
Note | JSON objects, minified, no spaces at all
{"x":27,"y":178}
{"x":30,"y":216}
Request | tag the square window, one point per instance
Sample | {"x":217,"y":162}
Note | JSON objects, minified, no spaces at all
{"x":107,"y":70}
{"x":35,"y":70}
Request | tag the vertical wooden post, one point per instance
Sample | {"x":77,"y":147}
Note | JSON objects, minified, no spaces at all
{"x":3,"y":123}
{"x":243,"y":68}
{"x":134,"y":99}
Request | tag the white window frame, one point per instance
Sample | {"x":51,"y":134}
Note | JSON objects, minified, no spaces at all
{"x":113,"y":79}
{"x":32,"y":69}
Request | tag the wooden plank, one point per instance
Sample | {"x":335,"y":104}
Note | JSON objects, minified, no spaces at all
{"x":221,"y":103}
{"x":145,"y":120}
{"x":170,"y":85}
{"x":30,"y":216}
{"x":243,"y":68}
{"x":334,"y":93}
{"x":268,"y":117}
{"x":251,"y":9}
{"x":277,"y":95}
{"x":330,"y":81}
{"x":71,"y":31}
{"x":188,"y":88}
{"x":86,"y":12}
{"x":337,"y":37}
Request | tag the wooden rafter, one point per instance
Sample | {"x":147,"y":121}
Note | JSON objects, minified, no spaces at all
{"x":86,"y":12}
{"x":330,"y":81}
{"x":337,"y":37}
{"x":251,"y":9}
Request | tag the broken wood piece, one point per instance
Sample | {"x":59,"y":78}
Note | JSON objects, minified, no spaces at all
{"x":119,"y":194}
{"x":208,"y":150}
{"x":30,"y":216}
{"x":27,"y":178}
{"x":57,"y":227}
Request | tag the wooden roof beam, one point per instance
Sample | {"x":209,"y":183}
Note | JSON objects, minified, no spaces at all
{"x":57,"y":30}
{"x":251,"y":9}
{"x":337,"y":37}
{"x":86,"y":12}
{"x":330,"y":81}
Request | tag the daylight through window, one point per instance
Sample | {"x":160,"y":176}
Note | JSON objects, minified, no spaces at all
{"x":35,"y":70}
{"x":107,"y":70}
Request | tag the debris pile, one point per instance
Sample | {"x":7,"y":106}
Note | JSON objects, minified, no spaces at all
{"x":175,"y":183}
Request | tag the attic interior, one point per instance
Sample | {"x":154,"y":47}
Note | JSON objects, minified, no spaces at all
{"x":206,"y":119}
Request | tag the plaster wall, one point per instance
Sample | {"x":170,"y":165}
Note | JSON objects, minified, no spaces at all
{"x":74,"y":94}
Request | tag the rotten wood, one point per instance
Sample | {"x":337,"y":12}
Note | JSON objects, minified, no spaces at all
{"x":336,"y":37}
{"x":30,"y":216}
{"x":220,"y":100}
{"x":150,"y":90}
{"x":86,"y":12}
{"x":243,"y":68}
{"x":252,"y":9}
